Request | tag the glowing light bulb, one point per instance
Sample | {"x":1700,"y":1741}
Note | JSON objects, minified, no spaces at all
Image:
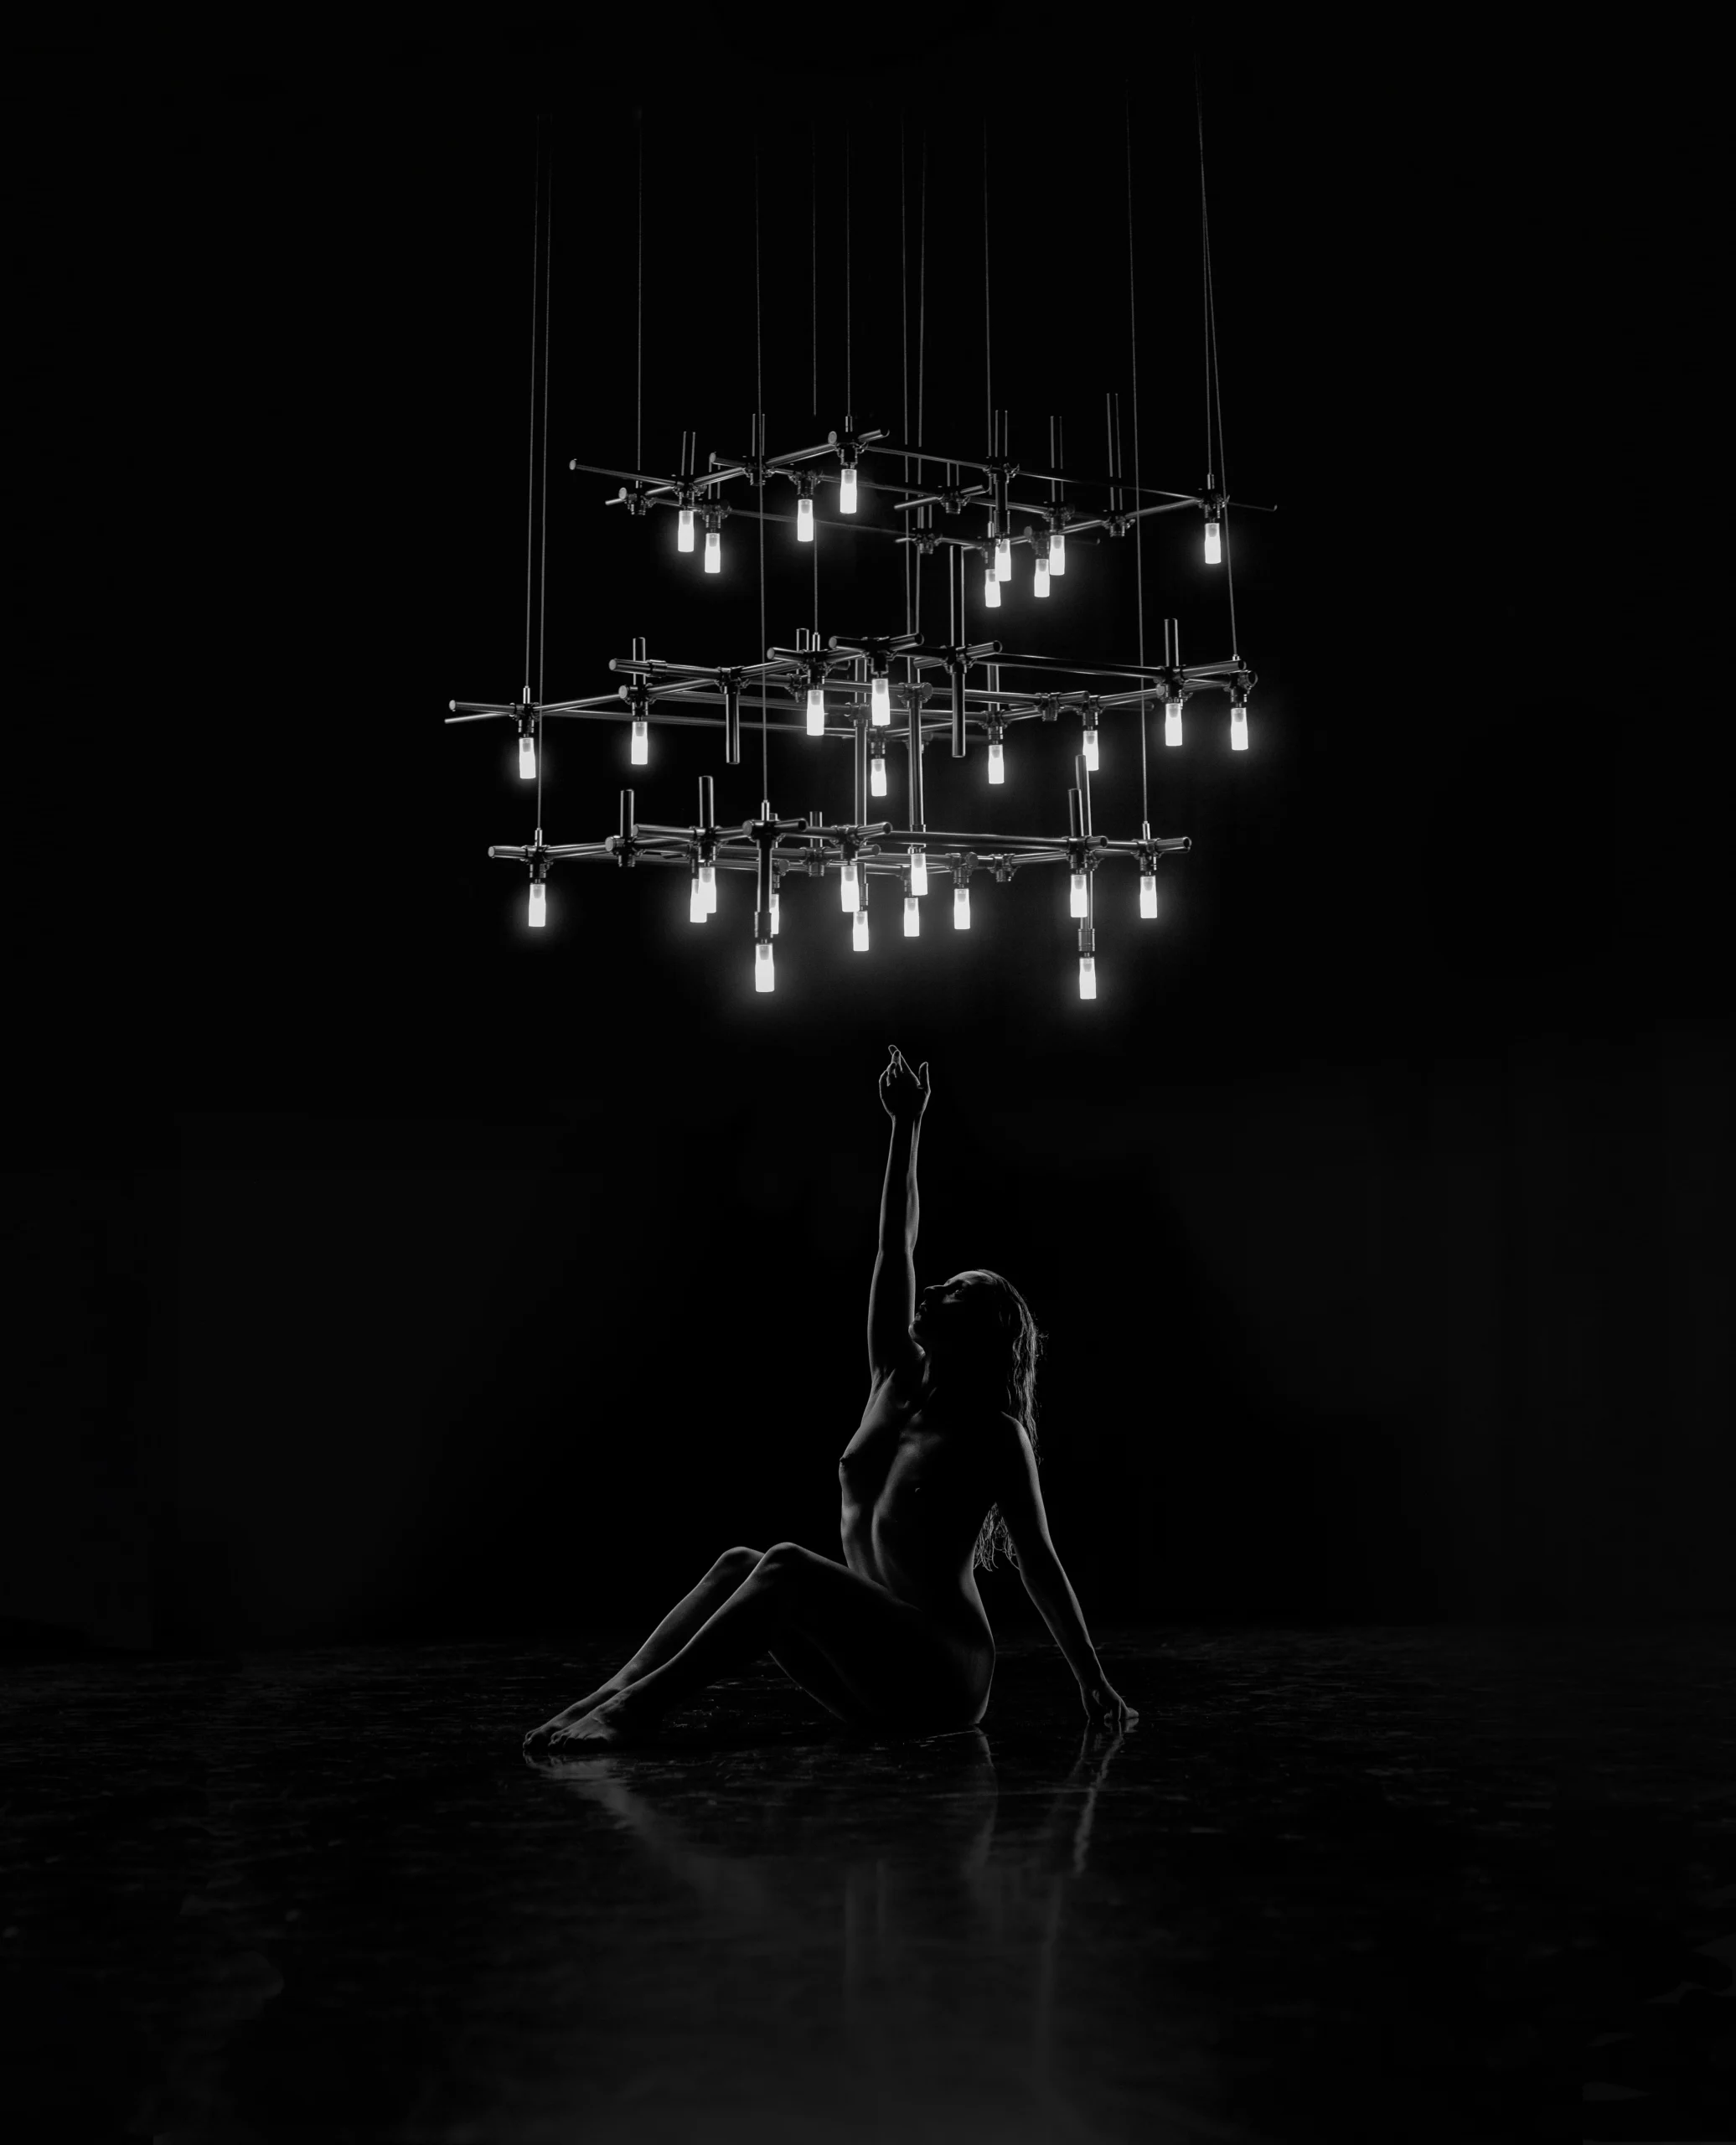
{"x":847,"y":888}
{"x":879,"y":701}
{"x":1058,"y":551}
{"x":859,"y":931}
{"x":1078,"y":899}
{"x":641,"y":742}
{"x":1091,"y":749}
{"x":997,"y":760}
{"x":527,"y":758}
{"x":696,"y":910}
{"x":912,"y":917}
{"x":539,"y":904}
{"x":991,"y":591}
{"x":918,"y":871}
{"x":804,"y":520}
{"x":1003,"y":558}
{"x":1148,"y":893}
{"x":877,"y":775}
{"x":774,"y":912}
{"x":847,"y":491}
{"x":1040,"y":579}
{"x":816,"y":711}
{"x":708,"y":887}
{"x":714,"y":551}
{"x":1238,"y":725}
{"x":763,"y":975}
{"x":961,"y":908}
{"x":684,"y":529}
{"x":1214,"y":548}
{"x":1088,"y":975}
{"x":1172,"y":723}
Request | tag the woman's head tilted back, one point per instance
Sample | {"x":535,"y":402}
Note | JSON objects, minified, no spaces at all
{"x":980,"y":1331}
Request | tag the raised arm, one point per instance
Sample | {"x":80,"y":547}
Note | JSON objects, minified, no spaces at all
{"x":892,"y":1293}
{"x":1020,"y":1496}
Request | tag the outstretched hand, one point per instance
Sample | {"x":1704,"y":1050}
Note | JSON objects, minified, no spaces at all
{"x":1105,"y":1707}
{"x":903,"y":1093}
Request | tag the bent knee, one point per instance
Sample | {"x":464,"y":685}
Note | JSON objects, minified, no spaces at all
{"x":782,"y":1556}
{"x":737,"y":1563}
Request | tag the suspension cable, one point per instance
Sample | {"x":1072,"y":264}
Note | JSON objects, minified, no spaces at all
{"x":638,"y":432}
{"x":1214,"y":382}
{"x":759,"y":449}
{"x":542,"y":593}
{"x":813,"y":248}
{"x":1133,"y":346}
{"x":904,"y":342}
{"x":988,"y":337}
{"x":921,"y":333}
{"x":530,"y":478}
{"x":850,"y":402}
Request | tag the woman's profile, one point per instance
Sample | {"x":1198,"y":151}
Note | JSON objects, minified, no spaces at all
{"x":942,"y":1470}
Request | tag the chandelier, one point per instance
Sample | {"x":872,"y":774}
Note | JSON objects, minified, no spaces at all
{"x":998,"y":531}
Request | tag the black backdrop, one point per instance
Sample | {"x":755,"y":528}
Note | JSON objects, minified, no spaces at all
{"x":380,"y":1268}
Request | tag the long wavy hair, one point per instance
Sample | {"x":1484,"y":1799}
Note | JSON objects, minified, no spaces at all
{"x":1019,"y":1348}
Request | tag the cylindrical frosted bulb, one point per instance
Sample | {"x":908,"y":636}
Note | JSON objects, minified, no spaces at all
{"x":997,"y":760}
{"x":1148,"y":894}
{"x":877,"y":775}
{"x":846,"y":491}
{"x":961,"y":908}
{"x":684,"y":529}
{"x":1079,"y":898}
{"x":1238,"y":729}
{"x":1214,"y":546}
{"x":804,"y":521}
{"x":991,"y":591}
{"x":859,"y":931}
{"x":879,"y":701}
{"x":918,"y":871}
{"x":912,"y":917}
{"x":641,"y":742}
{"x":539,"y":904}
{"x":847,"y":886}
{"x":1172,"y":723}
{"x":1040,"y":579}
{"x":1003,"y":558}
{"x":816,"y":711}
{"x":774,"y":912}
{"x":714,"y":551}
{"x":527,"y":758}
{"x":696,"y":910}
{"x":763,"y":976}
{"x":1088,"y":975}
{"x":1091,"y":750}
{"x":1058,"y":552}
{"x":708,"y":887}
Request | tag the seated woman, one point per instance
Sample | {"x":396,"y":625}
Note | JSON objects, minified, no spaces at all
{"x":942,"y":1467}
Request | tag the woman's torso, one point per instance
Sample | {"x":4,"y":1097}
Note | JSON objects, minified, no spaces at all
{"x":915,"y":1488}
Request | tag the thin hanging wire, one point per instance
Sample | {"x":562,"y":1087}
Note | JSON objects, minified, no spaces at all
{"x":988,"y":337}
{"x":1214,"y":389}
{"x":813,"y":249}
{"x":922,"y":513}
{"x":759,"y":448}
{"x":638,"y":435}
{"x":904,"y":338}
{"x":850,"y":403}
{"x":542,"y":545}
{"x":1133,"y":348}
{"x":530,"y":477}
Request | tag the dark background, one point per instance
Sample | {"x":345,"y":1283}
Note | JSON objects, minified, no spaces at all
{"x":377,"y":1269}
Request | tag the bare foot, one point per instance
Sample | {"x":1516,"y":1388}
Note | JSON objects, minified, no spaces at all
{"x":537,"y":1740}
{"x":617,"y":1720}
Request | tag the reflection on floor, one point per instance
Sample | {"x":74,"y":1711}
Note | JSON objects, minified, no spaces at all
{"x":1404,"y":1885}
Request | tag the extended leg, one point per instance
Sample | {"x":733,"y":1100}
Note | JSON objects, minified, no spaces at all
{"x":892,"y":1663}
{"x":688,"y":1616}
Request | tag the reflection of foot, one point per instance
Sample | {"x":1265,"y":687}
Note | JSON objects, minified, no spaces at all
{"x":537,"y":1740}
{"x":617,"y":1720}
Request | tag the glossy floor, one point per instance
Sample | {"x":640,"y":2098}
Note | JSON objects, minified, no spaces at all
{"x":1411,"y":1885}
